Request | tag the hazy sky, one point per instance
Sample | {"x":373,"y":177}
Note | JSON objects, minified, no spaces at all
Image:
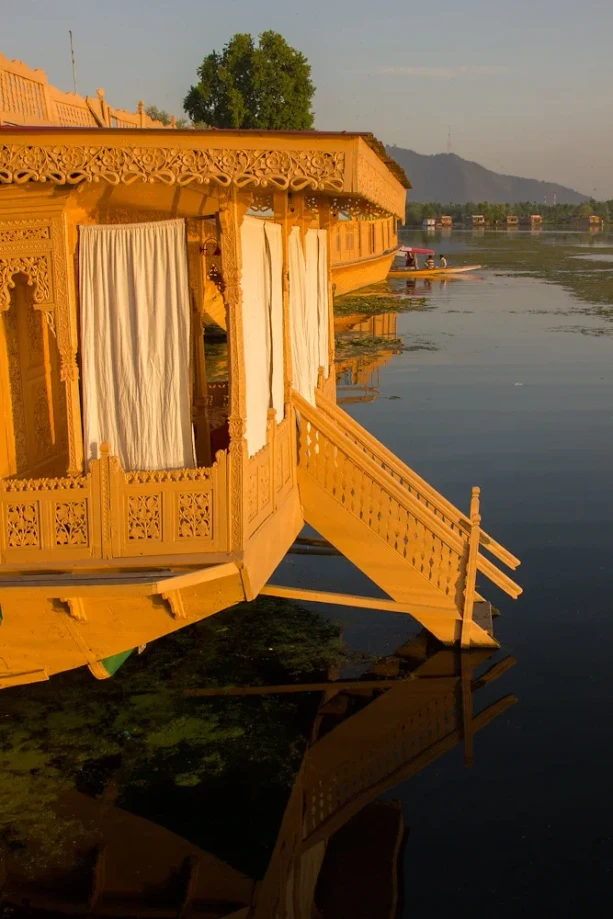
{"x":524,"y":85}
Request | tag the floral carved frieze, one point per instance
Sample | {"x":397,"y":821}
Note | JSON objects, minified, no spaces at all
{"x":35,"y":268}
{"x":18,"y":234}
{"x":62,"y":164}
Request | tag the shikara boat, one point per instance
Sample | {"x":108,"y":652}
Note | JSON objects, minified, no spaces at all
{"x":430,"y":272}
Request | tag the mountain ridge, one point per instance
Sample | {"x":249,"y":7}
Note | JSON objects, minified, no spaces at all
{"x":447,"y":177}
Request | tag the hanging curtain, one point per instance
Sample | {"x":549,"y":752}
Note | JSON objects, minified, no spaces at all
{"x":135,"y":343}
{"x":274,"y":239}
{"x":262,"y":315}
{"x":323,"y":317}
{"x":303,"y":321}
{"x":308,"y":309}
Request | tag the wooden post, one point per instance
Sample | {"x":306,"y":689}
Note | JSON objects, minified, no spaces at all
{"x":327,"y":222}
{"x":230,"y":219}
{"x":472,"y":554}
{"x":285,"y":219}
{"x":200,"y":412}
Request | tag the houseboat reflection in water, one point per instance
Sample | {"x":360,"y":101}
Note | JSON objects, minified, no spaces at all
{"x":115,"y":841}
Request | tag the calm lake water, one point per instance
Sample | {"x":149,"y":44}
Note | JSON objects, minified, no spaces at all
{"x":506,"y":381}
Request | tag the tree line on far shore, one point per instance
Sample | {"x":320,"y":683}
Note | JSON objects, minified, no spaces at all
{"x":554,"y":214}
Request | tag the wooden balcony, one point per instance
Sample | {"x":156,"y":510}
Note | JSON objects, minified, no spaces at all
{"x":111,"y":517}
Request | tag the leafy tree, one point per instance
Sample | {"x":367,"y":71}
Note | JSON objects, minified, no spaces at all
{"x":248,"y":85}
{"x":159,"y":114}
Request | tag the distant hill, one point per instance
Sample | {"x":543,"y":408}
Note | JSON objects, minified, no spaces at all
{"x":445,"y":177}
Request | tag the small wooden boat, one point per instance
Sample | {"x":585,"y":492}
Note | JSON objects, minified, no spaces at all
{"x":430,"y":272}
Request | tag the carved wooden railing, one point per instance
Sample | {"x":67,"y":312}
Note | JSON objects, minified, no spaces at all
{"x":450,"y":515}
{"x":270,"y":473}
{"x":112,"y":514}
{"x":26,"y":98}
{"x":333,"y":795}
{"x":368,"y":492}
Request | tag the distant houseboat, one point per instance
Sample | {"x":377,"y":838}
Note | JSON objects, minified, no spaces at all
{"x":591,"y":222}
{"x":512,"y":221}
{"x":534,"y":221}
{"x":478,"y":220}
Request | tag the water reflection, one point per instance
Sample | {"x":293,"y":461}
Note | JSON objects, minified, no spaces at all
{"x":339,"y":843}
{"x":364,"y":345}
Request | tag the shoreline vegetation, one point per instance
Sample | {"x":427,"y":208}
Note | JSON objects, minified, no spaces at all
{"x":552,"y":214}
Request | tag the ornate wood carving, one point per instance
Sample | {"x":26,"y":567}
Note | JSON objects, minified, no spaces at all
{"x":37,"y":248}
{"x":35,"y":268}
{"x":194,"y":520}
{"x":230,"y":218}
{"x":23,"y":526}
{"x":70,"y":521}
{"x":62,"y":164}
{"x":144,"y":517}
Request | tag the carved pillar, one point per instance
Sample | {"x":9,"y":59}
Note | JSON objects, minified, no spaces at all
{"x":285,"y":219}
{"x":230,"y":218}
{"x":67,"y":343}
{"x":195,"y":237}
{"x":328,"y":222}
{"x":69,"y":376}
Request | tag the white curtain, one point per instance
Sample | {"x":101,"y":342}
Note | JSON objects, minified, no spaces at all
{"x":262,"y":314}
{"x":308,"y":297}
{"x":135,"y":343}
{"x":274,"y":239}
{"x":322,"y":301}
{"x":303,"y":333}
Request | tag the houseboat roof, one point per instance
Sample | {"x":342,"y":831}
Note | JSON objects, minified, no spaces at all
{"x":333,"y":162}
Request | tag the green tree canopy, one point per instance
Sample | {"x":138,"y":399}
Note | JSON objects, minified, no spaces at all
{"x":248,"y":85}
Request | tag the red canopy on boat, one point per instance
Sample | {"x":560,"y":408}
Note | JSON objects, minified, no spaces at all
{"x":416,"y":251}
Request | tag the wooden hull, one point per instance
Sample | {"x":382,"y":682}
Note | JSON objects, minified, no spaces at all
{"x":430,"y":272}
{"x":353,"y":275}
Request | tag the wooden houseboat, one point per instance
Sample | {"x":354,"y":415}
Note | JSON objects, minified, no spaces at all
{"x":511,"y":221}
{"x":134,"y":497}
{"x":590,"y":222}
{"x":533,"y":222}
{"x":477,"y":220}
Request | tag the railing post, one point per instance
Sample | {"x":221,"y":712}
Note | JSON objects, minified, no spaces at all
{"x":106,"y":506}
{"x":472,"y":554}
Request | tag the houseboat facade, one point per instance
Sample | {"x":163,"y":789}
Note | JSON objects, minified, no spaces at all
{"x":533,"y":222}
{"x":136,"y":496}
{"x":592,"y":222}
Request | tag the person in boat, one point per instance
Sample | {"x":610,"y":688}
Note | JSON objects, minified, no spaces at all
{"x":443,"y":261}
{"x":429,"y":263}
{"x":411,"y":260}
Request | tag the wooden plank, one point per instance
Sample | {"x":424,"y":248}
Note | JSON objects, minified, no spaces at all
{"x":418,"y":610}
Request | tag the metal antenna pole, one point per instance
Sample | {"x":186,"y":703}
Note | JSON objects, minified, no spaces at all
{"x":74,"y":69}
